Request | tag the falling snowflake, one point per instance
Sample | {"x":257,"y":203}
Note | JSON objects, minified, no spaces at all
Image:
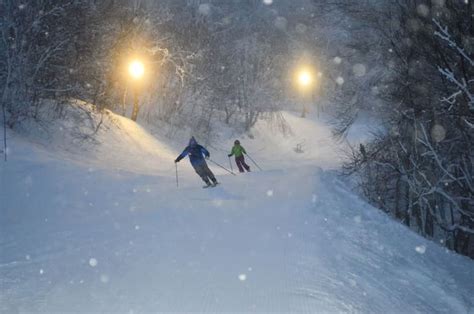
{"x":242,"y":277}
{"x":423,"y":10}
{"x":204,"y":9}
{"x":28,"y":180}
{"x":438,"y":133}
{"x":93,"y":262}
{"x":359,"y":69}
{"x":267,"y":2}
{"x":104,"y":278}
{"x":337,"y":60}
{"x":270,"y":193}
{"x":340,"y":80}
{"x":301,"y":28}
{"x":137,"y":227}
{"x":281,"y":23}
{"x":41,"y":271}
{"x":421,"y":249}
{"x":357,"y":219}
{"x":217,"y":202}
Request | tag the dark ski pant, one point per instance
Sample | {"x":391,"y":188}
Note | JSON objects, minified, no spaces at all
{"x":205,"y":173}
{"x":240,"y":161}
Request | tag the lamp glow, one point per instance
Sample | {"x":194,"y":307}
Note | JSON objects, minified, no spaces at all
{"x":136,"y":69}
{"x":305,"y":78}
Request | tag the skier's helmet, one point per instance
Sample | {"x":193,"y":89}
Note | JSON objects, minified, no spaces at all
{"x":236,"y":142}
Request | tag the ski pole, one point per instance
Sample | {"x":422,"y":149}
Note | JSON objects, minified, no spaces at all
{"x":221,"y":166}
{"x":254,"y":162}
{"x":177,"y":184}
{"x":230,"y":163}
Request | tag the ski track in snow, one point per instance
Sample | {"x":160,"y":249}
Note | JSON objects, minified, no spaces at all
{"x":292,"y":238}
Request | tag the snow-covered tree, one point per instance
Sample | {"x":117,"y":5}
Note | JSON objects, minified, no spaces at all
{"x":420,"y":168}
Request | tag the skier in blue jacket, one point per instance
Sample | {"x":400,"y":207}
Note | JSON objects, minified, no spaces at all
{"x":196,"y":155}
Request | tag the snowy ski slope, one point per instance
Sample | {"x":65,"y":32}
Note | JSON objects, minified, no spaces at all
{"x":105,"y":230}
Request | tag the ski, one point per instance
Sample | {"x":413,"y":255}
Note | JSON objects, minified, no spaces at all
{"x":210,"y":185}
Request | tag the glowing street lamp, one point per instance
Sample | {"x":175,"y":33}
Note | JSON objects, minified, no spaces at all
{"x":305,"y":81}
{"x":136,"y":69}
{"x":305,"y":78}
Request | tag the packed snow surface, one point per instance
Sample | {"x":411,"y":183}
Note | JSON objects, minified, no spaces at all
{"x":107,"y":230}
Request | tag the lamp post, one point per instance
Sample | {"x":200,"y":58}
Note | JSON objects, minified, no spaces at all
{"x":305,"y":80}
{"x":136,"y":69}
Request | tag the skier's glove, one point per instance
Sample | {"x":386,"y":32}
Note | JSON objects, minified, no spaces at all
{"x":229,"y":155}
{"x":176,"y":160}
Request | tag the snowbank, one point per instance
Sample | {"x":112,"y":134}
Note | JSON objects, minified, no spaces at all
{"x":105,"y":229}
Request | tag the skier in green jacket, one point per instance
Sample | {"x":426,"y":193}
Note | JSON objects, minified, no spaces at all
{"x":238,"y":151}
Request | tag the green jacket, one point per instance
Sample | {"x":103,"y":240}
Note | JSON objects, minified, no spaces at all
{"x":238,"y":151}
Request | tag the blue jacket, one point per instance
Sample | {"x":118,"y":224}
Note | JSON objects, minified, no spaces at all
{"x":196,"y":153}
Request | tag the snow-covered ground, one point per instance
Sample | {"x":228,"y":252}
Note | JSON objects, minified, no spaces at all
{"x":105,"y":229}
